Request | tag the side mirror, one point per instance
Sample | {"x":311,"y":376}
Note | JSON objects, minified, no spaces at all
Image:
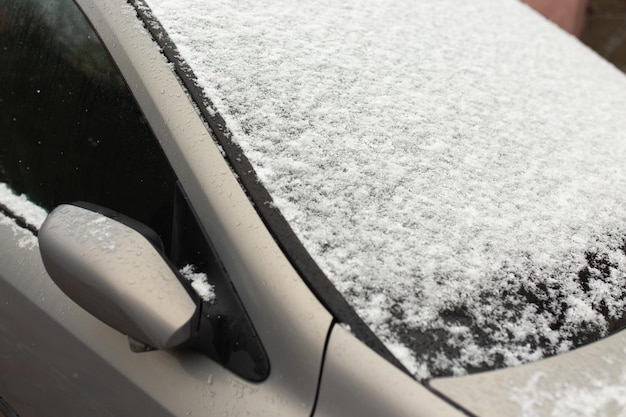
{"x":105,"y":265}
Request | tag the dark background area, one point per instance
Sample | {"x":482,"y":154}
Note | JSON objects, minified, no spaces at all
{"x":600,"y":24}
{"x":605,"y":30}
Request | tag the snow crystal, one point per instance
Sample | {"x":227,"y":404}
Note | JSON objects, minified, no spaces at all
{"x":455,"y":168}
{"x":199,"y":283}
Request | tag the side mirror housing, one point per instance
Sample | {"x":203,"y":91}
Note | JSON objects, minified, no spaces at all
{"x":117,"y":274}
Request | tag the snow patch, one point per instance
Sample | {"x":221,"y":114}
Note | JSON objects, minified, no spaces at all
{"x":21,"y":206}
{"x":23,"y":238}
{"x":101,"y":229}
{"x":602,"y":395}
{"x":460,"y":182}
{"x":199,"y":283}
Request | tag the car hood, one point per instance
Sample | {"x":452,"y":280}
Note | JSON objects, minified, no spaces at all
{"x":455,"y":169}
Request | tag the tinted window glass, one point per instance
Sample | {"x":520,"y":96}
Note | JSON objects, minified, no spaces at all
{"x":70,"y":130}
{"x":70,"y":127}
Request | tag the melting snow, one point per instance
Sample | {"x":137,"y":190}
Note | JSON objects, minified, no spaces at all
{"x":455,"y":168}
{"x":199,"y":283}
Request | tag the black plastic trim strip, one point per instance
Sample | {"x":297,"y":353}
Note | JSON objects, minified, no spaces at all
{"x":287,"y":240}
{"x":322,"y":365}
{"x":451,"y":402}
{"x":6,"y":410}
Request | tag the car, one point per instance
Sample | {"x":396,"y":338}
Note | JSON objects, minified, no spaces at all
{"x":261,"y":208}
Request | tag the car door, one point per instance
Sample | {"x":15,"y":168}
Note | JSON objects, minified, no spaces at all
{"x":112,"y":126}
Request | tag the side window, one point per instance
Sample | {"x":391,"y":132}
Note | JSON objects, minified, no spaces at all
{"x":70,"y":130}
{"x":70,"y":127}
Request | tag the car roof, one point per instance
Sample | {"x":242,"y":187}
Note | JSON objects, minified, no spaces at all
{"x":455,"y":170}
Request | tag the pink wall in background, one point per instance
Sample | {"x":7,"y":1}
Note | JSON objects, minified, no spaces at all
{"x":568,"y":14}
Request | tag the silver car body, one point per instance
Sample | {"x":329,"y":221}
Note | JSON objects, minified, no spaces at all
{"x":59,"y":360}
{"x":78,"y":365}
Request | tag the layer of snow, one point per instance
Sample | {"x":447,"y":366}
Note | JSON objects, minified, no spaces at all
{"x":455,"y":168}
{"x":199,"y":283}
{"x":27,"y":210}
{"x":21,"y":206}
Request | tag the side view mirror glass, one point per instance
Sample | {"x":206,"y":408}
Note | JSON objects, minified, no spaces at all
{"x":102,"y":261}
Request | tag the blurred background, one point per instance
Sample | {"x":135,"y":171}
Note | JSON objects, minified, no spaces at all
{"x":600,"y":24}
{"x":605,"y":30}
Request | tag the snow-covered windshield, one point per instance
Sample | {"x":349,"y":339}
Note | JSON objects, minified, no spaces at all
{"x":455,"y":168}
